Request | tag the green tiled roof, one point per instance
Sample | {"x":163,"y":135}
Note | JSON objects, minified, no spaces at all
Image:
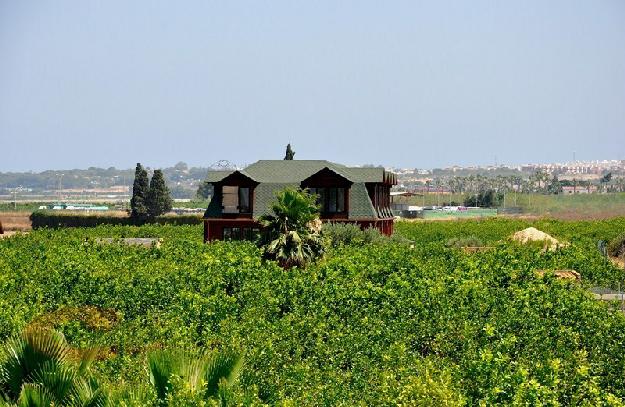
{"x":265,"y":194}
{"x":295,"y":171}
{"x":288,"y":171}
{"x":214,"y":206}
{"x":357,"y":174}
{"x":216,"y":176}
{"x":360,"y":205}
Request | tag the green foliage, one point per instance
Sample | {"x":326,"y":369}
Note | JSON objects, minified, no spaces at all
{"x":290,"y":154}
{"x":347,"y":234}
{"x":55,"y":220}
{"x":484,"y":199}
{"x":459,"y":242}
{"x":140,"y":190}
{"x":290,"y":249}
{"x":606,"y":178}
{"x":158,"y":200}
{"x":36,"y":369}
{"x":291,"y":229}
{"x":616,"y":246}
{"x":371,"y":324}
{"x":203,"y":375}
{"x":204,"y":190}
{"x":555,"y":186}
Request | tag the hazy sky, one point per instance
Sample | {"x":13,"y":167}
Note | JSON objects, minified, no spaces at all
{"x":419,"y":84}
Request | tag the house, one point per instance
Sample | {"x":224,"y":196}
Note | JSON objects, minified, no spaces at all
{"x":346,"y":194}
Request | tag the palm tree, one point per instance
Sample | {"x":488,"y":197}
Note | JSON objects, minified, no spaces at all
{"x":36,"y":370}
{"x":209,"y":376}
{"x":290,"y":229}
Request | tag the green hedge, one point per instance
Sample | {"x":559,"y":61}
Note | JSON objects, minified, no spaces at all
{"x":46,"y":219}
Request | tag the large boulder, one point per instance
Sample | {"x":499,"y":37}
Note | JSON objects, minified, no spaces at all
{"x":532,"y":234}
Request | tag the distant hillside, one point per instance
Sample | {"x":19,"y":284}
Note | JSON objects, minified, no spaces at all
{"x":182,"y":180}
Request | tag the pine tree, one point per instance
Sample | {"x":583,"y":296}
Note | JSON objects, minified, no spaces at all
{"x":159,"y":199}
{"x":140,"y":188}
{"x":290,"y":154}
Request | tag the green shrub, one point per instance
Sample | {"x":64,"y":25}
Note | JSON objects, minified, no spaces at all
{"x":55,"y":220}
{"x":616,"y":247}
{"x":178,"y":220}
{"x":343,"y":234}
{"x":459,"y":242}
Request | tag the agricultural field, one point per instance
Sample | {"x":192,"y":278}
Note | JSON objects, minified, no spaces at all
{"x":566,"y":207}
{"x":411,"y":320}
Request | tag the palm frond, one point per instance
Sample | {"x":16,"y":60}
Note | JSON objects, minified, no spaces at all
{"x":88,"y":393}
{"x":164,"y":364}
{"x":34,"y":395}
{"x":87,"y":357}
{"x":161,"y":366}
{"x":225,"y":365}
{"x":58,"y":380}
{"x":137,"y":395}
{"x":27,"y":353}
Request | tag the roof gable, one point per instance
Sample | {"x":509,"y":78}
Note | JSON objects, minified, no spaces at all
{"x":239,"y":177}
{"x":216,"y":176}
{"x":326,"y":176}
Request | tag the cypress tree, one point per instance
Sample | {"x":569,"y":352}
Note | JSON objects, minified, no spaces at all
{"x":290,"y":154}
{"x":140,"y":188}
{"x":159,"y":200}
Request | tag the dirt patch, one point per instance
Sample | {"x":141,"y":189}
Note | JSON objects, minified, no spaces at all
{"x":95,"y":318}
{"x":562,"y":274}
{"x":132,"y":241}
{"x":532,"y":234}
{"x":476,"y":249}
{"x":12,"y":221}
{"x":618,"y":262}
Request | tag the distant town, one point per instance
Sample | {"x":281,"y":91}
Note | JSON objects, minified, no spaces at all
{"x":580,"y":169}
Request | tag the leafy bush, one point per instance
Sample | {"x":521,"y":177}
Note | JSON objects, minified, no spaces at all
{"x":459,"y":242}
{"x":54,"y":220}
{"x":616,"y":247}
{"x":485,"y":199}
{"x":347,"y":234}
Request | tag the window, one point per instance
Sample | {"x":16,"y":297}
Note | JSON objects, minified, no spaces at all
{"x":244,"y":200}
{"x":235,"y":199}
{"x":340,"y":199}
{"x":241,"y":233}
{"x":230,"y":199}
{"x":331,"y":203}
{"x":227,"y":233}
{"x":330,"y":200}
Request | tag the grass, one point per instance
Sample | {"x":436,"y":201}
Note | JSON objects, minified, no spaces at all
{"x":20,"y":206}
{"x":591,"y":206}
{"x":470,"y":213}
{"x":581,"y":206}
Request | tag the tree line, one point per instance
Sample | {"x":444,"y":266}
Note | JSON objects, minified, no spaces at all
{"x":540,"y":182}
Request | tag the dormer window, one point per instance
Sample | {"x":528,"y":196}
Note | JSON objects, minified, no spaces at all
{"x":330,"y":200}
{"x":235,"y":199}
